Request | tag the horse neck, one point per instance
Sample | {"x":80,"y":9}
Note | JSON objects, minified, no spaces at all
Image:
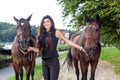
{"x":16,"y":39}
{"x":82,"y":38}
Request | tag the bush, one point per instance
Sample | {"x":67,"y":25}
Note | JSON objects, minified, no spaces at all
{"x":63,"y":47}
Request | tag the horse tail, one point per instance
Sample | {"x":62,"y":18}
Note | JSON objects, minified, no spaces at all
{"x":68,"y":59}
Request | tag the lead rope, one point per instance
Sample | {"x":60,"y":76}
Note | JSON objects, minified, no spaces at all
{"x":30,"y":57}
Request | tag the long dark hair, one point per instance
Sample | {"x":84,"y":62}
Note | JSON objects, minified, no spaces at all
{"x":48,"y":41}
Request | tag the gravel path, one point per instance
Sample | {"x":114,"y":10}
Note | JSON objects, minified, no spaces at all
{"x":104,"y":71}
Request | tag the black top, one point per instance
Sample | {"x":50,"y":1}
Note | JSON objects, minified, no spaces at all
{"x":46,"y":51}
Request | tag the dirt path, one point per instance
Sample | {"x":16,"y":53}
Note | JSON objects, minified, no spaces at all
{"x":104,"y":71}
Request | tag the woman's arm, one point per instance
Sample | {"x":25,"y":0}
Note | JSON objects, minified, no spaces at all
{"x":35,"y":48}
{"x":60,"y":35}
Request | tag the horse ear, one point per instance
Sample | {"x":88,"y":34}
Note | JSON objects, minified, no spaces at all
{"x":29,"y":18}
{"x":16,"y":19}
{"x":86,"y":18}
{"x":97,"y":17}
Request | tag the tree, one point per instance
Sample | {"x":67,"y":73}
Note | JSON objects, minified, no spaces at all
{"x":8,"y":31}
{"x":109,"y":11}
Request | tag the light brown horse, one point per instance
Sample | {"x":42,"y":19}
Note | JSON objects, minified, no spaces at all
{"x":20,"y":56}
{"x":89,"y":39}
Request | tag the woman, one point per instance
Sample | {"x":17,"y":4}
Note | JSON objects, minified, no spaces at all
{"x":47,"y":39}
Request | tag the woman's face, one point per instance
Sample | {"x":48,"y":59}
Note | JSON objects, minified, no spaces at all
{"x":47,"y":24}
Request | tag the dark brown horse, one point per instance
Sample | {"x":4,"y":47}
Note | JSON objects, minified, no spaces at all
{"x":89,"y":39}
{"x":20,"y":56}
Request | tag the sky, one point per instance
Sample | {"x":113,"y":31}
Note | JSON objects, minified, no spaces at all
{"x":24,"y":8}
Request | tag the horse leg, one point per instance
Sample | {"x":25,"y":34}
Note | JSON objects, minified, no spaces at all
{"x":93,"y":68}
{"x":84,"y":69}
{"x":32,"y":73}
{"x":27,"y":68}
{"x":16,"y":72}
{"x":76,"y":68}
{"x":32,"y":70}
{"x":21,"y":73}
{"x":16,"y":75}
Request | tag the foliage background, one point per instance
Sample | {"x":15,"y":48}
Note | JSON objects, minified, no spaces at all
{"x":108,"y":10}
{"x":8,"y":31}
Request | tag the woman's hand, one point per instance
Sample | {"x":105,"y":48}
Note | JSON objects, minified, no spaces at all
{"x":83,"y":50}
{"x":33,"y":49}
{"x":30,"y":49}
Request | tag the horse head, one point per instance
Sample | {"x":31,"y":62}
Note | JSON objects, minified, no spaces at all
{"x":23,"y":32}
{"x":92,"y":33}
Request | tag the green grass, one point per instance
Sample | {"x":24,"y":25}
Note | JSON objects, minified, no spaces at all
{"x":62,"y":55}
{"x":112,"y":55}
{"x":38,"y":73}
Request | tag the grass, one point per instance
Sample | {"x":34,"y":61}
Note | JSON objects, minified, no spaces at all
{"x":38,"y":73}
{"x":109,"y":54}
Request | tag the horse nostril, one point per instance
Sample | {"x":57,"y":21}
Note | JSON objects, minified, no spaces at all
{"x":88,"y":38}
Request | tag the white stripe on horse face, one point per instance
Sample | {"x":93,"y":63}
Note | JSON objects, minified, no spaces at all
{"x":22,"y":24}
